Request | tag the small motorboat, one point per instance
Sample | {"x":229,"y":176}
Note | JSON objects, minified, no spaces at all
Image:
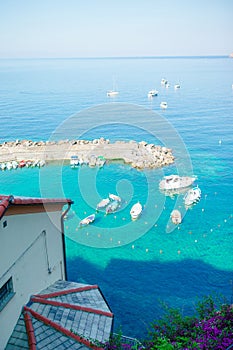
{"x":136,"y":211}
{"x":176,"y":216}
{"x":164,"y":81}
{"x":74,"y":161}
{"x":112,"y":207}
{"x":89,"y":219}
{"x":177,"y":86}
{"x":114,"y":197}
{"x":112,"y":93}
{"x":152,"y":93}
{"x":22,"y":164}
{"x":163,"y":105}
{"x":103,"y":203}
{"x":176,"y":182}
{"x":192,"y":196}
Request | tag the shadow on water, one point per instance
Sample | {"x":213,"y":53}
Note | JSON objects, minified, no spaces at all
{"x":135,"y":290}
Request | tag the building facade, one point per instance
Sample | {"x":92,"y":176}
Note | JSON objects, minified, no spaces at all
{"x":32,"y":253}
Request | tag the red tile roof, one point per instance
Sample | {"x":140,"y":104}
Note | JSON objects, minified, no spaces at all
{"x":6,"y":201}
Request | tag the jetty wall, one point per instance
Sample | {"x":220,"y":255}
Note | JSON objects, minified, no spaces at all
{"x":138,"y":154}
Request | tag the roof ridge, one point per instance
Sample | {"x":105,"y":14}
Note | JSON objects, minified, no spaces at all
{"x":37,"y":299}
{"x":66,"y":291}
{"x":29,"y":330}
{"x":61,"y":329}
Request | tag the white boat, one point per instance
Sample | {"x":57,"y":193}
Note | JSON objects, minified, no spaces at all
{"x":192,"y":196}
{"x":3,"y":166}
{"x":164,"y":81}
{"x":112,"y":207}
{"x":74,"y":161}
{"x":103,"y":203}
{"x":14,"y":164}
{"x":89,"y":219}
{"x":136,"y":211}
{"x":114,"y":197}
{"x":175,"y":182}
{"x":152,"y":93}
{"x":163,"y":105}
{"x":167,"y":85}
{"x":9,"y":165}
{"x":177,"y":86}
{"x":100,"y":161}
{"x":176,"y":216}
{"x":112,"y":93}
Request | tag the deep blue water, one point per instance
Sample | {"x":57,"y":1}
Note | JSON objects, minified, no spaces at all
{"x":136,"y":264}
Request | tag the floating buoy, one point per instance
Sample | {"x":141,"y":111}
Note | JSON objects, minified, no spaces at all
{"x":160,"y":251}
{"x":123,"y":218}
{"x":99,"y":235}
{"x":110,"y":238}
{"x":146,"y":222}
{"x":195,"y":241}
{"x":87,"y":233}
{"x":84,"y":212}
{"x":178,"y":227}
{"x":178,"y":252}
{"x":114,"y":216}
{"x":147,"y":250}
{"x":211,"y":230}
{"x":76,"y":229}
{"x":190,"y":232}
{"x":132,"y":246}
{"x":220,"y":142}
{"x":119,"y":242}
{"x":202,"y":209}
{"x":156,"y":225}
{"x":225,"y":220}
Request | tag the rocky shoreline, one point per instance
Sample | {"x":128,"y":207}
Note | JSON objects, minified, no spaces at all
{"x":139,"y":155}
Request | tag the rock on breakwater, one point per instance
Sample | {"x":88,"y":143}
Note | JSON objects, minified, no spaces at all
{"x":139,"y":155}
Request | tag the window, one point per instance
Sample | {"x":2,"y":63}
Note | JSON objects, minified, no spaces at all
{"x":6,"y":293}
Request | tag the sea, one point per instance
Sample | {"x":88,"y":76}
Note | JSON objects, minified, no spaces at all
{"x":146,"y":265}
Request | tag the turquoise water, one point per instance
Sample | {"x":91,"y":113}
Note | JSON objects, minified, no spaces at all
{"x":136,"y":264}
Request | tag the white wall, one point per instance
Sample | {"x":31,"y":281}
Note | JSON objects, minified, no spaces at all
{"x":23,"y":256}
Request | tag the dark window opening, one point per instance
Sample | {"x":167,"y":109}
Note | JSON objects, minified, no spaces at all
{"x":6,"y":293}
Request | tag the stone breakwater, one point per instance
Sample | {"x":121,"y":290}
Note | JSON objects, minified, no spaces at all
{"x":139,"y":155}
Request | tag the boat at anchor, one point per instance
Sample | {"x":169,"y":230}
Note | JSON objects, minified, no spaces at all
{"x":86,"y":221}
{"x":135,"y":211}
{"x":176,"y":216}
{"x":103,"y":203}
{"x":112,"y":207}
{"x":176,"y":182}
{"x":192,"y":196}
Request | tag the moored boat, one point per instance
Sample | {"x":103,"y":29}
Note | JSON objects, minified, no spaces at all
{"x":175,"y":182}
{"x":112,"y":207}
{"x":163,"y":105}
{"x":74,"y":161}
{"x":135,"y":211}
{"x":176,"y":216}
{"x":114,"y":197}
{"x":112,"y":93}
{"x":192,"y":196}
{"x":103,"y":203}
{"x":86,"y":221}
{"x":152,"y":93}
{"x":164,"y":81}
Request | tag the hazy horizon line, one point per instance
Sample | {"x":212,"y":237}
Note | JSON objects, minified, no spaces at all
{"x":114,"y":57}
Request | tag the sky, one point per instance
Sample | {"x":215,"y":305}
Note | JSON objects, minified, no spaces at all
{"x":106,"y":28}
